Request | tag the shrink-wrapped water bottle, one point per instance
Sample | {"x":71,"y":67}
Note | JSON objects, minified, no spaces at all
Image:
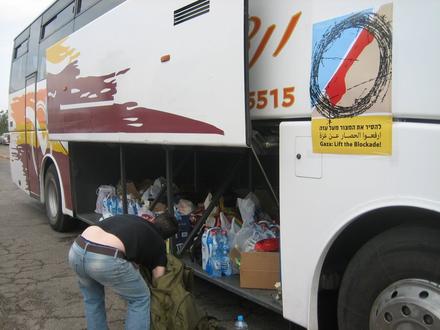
{"x":215,"y":255}
{"x":224,"y":252}
{"x":240,"y":324}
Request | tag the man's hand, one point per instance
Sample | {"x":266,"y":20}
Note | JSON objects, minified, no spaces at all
{"x":158,"y":271}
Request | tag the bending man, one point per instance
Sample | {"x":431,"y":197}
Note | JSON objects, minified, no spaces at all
{"x":107,"y":255}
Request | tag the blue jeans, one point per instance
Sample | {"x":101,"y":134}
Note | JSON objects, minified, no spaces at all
{"x":96,"y":271}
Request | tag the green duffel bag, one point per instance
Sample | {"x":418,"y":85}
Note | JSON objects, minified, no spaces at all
{"x":172,"y":305}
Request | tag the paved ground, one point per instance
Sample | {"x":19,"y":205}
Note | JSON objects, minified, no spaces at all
{"x":39,"y":291}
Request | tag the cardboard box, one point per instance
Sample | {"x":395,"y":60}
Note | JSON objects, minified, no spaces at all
{"x":131,"y":189}
{"x":259,"y":270}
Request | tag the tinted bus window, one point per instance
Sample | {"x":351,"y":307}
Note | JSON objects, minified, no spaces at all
{"x":60,"y":19}
{"x":21,"y":49}
{"x":46,"y":43}
{"x":18,"y":73}
{"x":34,"y":38}
{"x":92,"y":9}
{"x":85,"y":4}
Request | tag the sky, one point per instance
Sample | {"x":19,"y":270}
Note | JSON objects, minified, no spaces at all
{"x":15,"y":16}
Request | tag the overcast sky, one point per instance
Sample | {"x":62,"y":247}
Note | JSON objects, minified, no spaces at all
{"x":15,"y":15}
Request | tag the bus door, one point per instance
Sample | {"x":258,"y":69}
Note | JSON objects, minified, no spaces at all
{"x":33,"y":156}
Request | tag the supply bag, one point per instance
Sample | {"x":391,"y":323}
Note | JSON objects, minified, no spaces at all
{"x":172,"y":304}
{"x":102,"y":193}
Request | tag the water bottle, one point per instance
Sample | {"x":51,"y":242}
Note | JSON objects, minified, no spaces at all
{"x":120,"y":209}
{"x":205,"y":251}
{"x":240,"y":323}
{"x":215,"y":255}
{"x":209,"y":267}
{"x":110,"y":205}
{"x":225,"y":259}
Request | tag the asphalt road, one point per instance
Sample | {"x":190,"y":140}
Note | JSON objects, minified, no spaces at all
{"x":39,"y":291}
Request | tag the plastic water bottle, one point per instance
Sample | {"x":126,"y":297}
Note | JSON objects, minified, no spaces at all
{"x":119,"y":209}
{"x":215,"y":255}
{"x":225,"y":259}
{"x":240,"y":323}
{"x":205,"y":251}
{"x":209,"y":266}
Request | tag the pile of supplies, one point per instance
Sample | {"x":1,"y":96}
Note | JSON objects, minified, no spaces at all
{"x":109,"y":199}
{"x":242,"y":239}
{"x":246,"y":243}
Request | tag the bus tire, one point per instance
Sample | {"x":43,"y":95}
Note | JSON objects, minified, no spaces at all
{"x":52,"y":200}
{"x":394,"y":279}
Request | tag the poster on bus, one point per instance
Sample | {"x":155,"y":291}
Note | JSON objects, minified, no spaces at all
{"x":350,"y":82}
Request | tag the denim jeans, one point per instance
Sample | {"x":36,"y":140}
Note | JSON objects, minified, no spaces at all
{"x":96,"y":271}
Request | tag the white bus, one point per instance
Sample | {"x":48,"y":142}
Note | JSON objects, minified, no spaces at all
{"x":326,"y":109}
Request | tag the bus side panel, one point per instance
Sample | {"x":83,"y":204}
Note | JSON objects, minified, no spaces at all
{"x":282,"y":37}
{"x":32,"y":150}
{"x":17,"y":144}
{"x":58,"y":151}
{"x":168,"y":72}
{"x":280,"y":53}
{"x":321,"y":193}
{"x":39,"y":145}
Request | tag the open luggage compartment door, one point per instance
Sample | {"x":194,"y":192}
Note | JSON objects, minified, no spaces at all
{"x":167,"y":72}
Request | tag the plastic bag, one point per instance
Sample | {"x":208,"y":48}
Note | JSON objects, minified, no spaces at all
{"x":184,"y":207}
{"x":225,"y":225}
{"x":145,"y":213}
{"x":247,"y":207}
{"x":102,"y":193}
{"x":268,"y":245}
{"x":132,"y":206}
{"x":242,"y":237}
{"x":153,"y":191}
{"x":235,"y":228}
{"x":261,"y":232}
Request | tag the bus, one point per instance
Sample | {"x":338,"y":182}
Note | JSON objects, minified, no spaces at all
{"x":324,"y":109}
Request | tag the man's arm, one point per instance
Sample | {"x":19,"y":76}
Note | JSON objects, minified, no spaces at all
{"x":158,"y":271}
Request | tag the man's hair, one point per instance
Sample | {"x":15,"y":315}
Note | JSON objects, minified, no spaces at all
{"x":166,"y":224}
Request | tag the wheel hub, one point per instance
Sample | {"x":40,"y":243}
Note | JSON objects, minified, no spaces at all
{"x":409,"y":304}
{"x":52,"y":200}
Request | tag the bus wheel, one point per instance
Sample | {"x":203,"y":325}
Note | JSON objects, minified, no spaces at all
{"x":393,"y":282}
{"x":52,"y":200}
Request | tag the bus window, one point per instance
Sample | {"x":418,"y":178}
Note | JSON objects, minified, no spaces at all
{"x":85,"y":4}
{"x":21,"y":49}
{"x":18,"y":66}
{"x":34,"y":38}
{"x":89,"y":10}
{"x":59,"y":20}
{"x":18,"y":73}
{"x":49,"y":41}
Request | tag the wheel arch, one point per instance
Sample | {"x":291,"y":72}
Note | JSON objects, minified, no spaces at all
{"x":351,"y":238}
{"x":49,"y":160}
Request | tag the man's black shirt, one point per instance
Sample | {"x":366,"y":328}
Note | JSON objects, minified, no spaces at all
{"x":142,"y":241}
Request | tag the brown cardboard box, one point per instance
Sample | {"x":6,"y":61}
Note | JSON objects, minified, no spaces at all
{"x":131,"y":189}
{"x":259,"y":270}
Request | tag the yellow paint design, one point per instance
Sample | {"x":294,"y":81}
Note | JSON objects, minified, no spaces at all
{"x":364,"y":135}
{"x":56,"y":146}
{"x":18,"y":105}
{"x":29,"y":138}
{"x":59,"y":52}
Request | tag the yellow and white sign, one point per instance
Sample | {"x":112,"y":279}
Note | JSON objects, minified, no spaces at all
{"x":350,"y":83}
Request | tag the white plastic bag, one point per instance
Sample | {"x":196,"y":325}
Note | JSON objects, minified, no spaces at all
{"x":242,"y":236}
{"x":145,"y":213}
{"x":102,"y":193}
{"x":247,"y":207}
{"x":235,"y":228}
{"x":184,"y":207}
{"x":224,"y":222}
{"x":153,"y":191}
